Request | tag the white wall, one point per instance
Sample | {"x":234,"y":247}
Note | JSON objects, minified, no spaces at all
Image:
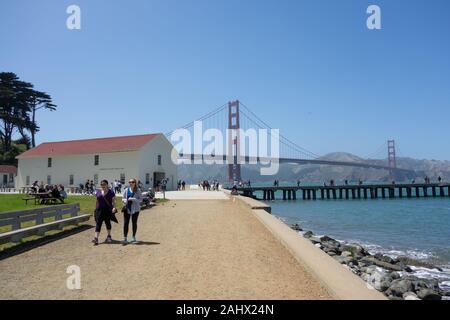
{"x":148,"y":161}
{"x":111,"y":165}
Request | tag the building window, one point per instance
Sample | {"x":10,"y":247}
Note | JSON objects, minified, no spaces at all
{"x":11,"y":177}
{"x":27,"y":180}
{"x":147,"y":178}
{"x":71,"y":180}
{"x":96,"y":158}
{"x":49,"y":162}
{"x":95,"y":179}
{"x":159,"y":160}
{"x":122,"y":178}
{"x":49,"y":179}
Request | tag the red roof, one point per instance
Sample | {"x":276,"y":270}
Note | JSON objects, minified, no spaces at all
{"x":7,"y":169}
{"x":90,"y":146}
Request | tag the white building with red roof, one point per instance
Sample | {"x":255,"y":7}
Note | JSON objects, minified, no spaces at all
{"x":7,"y":176}
{"x":147,"y":158}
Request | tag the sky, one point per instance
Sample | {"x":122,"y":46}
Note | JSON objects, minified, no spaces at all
{"x":310,"y":68}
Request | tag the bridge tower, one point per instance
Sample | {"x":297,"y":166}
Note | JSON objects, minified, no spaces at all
{"x":391,"y":154}
{"x":234,"y":168}
{"x":392,"y":160}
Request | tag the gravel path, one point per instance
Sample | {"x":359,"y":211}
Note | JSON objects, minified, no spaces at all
{"x":205,"y":249}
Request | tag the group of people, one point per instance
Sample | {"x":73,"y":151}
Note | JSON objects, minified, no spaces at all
{"x":116,"y":186}
{"x":427,"y":180}
{"x":49,"y":191}
{"x":87,"y":188}
{"x":181,"y":185}
{"x":205,"y":185}
{"x":105,"y":210}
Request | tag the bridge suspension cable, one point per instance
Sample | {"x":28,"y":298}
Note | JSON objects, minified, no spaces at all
{"x":204,"y":117}
{"x":283,"y":140}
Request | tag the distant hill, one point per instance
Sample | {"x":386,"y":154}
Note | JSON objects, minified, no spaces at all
{"x":319,"y":173}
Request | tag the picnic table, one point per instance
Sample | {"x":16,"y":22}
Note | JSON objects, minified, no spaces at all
{"x":42,"y":198}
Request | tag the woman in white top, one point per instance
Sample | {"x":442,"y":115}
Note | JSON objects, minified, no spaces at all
{"x":131,"y":198}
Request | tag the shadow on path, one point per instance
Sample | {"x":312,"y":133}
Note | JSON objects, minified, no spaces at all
{"x":139,"y":243}
{"x":29,"y":245}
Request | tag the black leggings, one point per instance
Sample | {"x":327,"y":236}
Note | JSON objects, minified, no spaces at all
{"x":126,"y":219}
{"x":99,"y":218}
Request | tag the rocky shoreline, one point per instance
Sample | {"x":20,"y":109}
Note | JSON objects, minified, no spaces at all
{"x":391,"y":276}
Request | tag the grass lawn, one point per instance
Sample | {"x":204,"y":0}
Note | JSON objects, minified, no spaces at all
{"x":14,"y":202}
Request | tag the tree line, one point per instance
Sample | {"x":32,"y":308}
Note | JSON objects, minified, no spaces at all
{"x":19,"y":103}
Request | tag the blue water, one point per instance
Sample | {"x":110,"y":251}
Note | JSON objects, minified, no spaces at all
{"x":419,"y":228}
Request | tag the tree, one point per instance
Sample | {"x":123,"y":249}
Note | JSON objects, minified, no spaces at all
{"x":14,"y":107}
{"x":39,"y":100}
{"x":18,"y":105}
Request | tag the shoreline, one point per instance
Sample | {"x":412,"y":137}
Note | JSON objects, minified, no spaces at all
{"x":409,"y":277}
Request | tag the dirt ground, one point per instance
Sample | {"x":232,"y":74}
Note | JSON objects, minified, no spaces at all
{"x":189,"y":249}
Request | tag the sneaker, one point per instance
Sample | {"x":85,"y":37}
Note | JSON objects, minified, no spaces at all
{"x":133,"y":240}
{"x":125,"y":242}
{"x":95,"y":241}
{"x":108,"y":239}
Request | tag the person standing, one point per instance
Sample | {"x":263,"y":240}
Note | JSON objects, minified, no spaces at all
{"x":105,"y":210}
{"x":131,"y":198}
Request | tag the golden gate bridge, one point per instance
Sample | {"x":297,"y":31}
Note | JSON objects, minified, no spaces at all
{"x":235,"y":117}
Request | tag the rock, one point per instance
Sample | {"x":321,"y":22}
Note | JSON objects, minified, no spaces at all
{"x":399,"y":287}
{"x":331,"y":246}
{"x":419,"y":284}
{"x":378,"y":256}
{"x":382,"y":264}
{"x":346,"y":254}
{"x":384,"y":285}
{"x":428,"y":294}
{"x":417,"y":263}
{"x":404,"y":267}
{"x":314,"y":239}
{"x":376,"y":278}
{"x":394,"y":275}
{"x":394,"y":298}
{"x":308,"y":234}
{"x":326,"y":238}
{"x":355,"y":249}
{"x":363,"y":263}
{"x":318,"y":245}
{"x":370,"y":269}
{"x":410,"y":296}
{"x":387,"y":259}
{"x":296,"y":227}
{"x":331,"y":253}
{"x":328,"y":250}
{"x":343,"y":260}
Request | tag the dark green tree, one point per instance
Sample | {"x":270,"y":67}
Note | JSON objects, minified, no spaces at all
{"x":39,"y":100}
{"x":19,"y":103}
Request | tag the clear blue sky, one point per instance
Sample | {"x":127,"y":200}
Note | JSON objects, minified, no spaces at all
{"x":310,"y":68}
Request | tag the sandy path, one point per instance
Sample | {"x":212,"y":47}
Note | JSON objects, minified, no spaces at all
{"x":192,"y":250}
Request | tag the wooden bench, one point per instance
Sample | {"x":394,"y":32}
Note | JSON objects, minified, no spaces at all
{"x":16,"y":218}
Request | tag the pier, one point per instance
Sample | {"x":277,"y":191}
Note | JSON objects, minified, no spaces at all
{"x":372,"y":191}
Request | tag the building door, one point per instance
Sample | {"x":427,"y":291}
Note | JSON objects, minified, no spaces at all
{"x":157,"y":178}
{"x":5,"y":180}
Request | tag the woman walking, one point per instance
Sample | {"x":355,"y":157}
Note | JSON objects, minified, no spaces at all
{"x":131,"y":199}
{"x":105,"y":211}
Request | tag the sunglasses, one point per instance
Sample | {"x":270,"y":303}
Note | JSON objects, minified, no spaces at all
{"x":132,"y":182}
